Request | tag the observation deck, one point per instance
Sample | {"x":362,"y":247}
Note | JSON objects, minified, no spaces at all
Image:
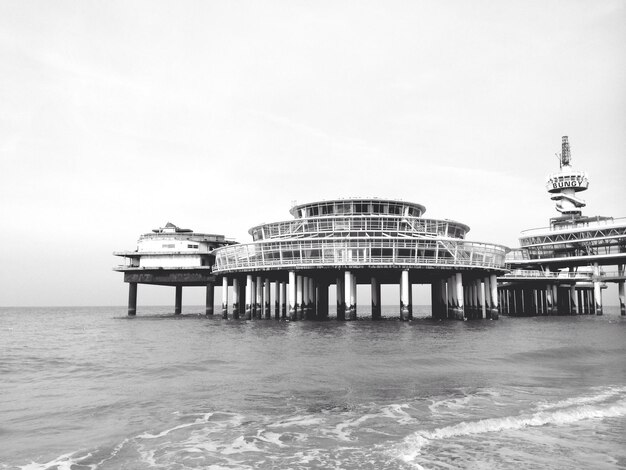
{"x":360,"y":233}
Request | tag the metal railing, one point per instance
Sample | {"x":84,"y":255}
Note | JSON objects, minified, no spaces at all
{"x":374,"y":225}
{"x":322,"y":252}
{"x":621,"y":221}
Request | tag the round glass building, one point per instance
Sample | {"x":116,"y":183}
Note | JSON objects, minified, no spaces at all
{"x":345,"y":242}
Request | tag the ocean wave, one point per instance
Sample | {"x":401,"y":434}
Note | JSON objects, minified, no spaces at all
{"x":560,"y":413}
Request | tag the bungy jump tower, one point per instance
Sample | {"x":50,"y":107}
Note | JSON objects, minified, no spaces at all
{"x":289,"y":266}
{"x":561,"y":269}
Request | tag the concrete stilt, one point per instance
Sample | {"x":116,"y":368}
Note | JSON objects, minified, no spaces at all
{"x":178,"y":302}
{"x":555,"y":299}
{"x":132,"y":298}
{"x":267,"y":303}
{"x":493,"y":285}
{"x":620,"y":289}
{"x":376,"y":308}
{"x":451,"y":297}
{"x":341,"y":298}
{"x":293,"y":296}
{"x":258,"y":303}
{"x":311,"y":301}
{"x":299,"y":298}
{"x":573,"y":299}
{"x":253,"y":298}
{"x":481,"y":298}
{"x":277,"y":300}
{"x":410,"y":299}
{"x":487,"y":298}
{"x":225,"y":297}
{"x":283,"y":300}
{"x":248,"y":297}
{"x":434,"y":299}
{"x":404,"y":295}
{"x":322,"y":300}
{"x":459,"y":308}
{"x":443,"y":291}
{"x":350,"y":296}
{"x":597,"y":290}
{"x":210,"y":297}
{"x":236,"y":294}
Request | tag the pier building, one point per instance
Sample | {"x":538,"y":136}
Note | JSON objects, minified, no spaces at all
{"x":562,"y":268}
{"x":171,"y":256}
{"x":342,"y":243}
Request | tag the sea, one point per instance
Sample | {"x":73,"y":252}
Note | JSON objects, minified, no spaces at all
{"x":90,"y":388}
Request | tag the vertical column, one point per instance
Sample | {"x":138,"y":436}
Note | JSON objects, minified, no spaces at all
{"x":312,"y":312}
{"x":224,"y":297}
{"x":293,"y":296}
{"x":253,"y":298}
{"x":283,"y":300}
{"x":248,"y":297}
{"x":277,"y":300}
{"x":486,"y":298}
{"x":341,"y":298}
{"x":209,"y":300}
{"x":481,"y":298}
{"x":620,"y":290}
{"x":236,"y":296}
{"x":443,"y":286}
{"x":549,"y":300}
{"x":434,"y":299}
{"x":258,"y":302}
{"x":493,"y":286}
{"x":404,"y":295}
{"x":178,"y":302}
{"x":267,"y":313}
{"x":132,"y":299}
{"x":410,"y":299}
{"x":322,"y":300}
{"x":459,"y":309}
{"x":478,"y":301}
{"x":350,"y":295}
{"x":573,"y":297}
{"x":376,"y":309}
{"x":451,"y":296}
{"x":299,"y":306}
{"x":555,"y":300}
{"x":305,"y":298}
{"x":597,"y":289}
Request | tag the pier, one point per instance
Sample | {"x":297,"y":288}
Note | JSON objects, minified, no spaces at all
{"x":290,"y":267}
{"x":287,"y":269}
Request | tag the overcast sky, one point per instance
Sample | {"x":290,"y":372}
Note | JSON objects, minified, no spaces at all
{"x":119,"y":116}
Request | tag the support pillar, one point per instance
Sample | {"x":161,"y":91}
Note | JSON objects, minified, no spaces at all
{"x":481,"y":298}
{"x":236,"y":294}
{"x":573,"y":298}
{"x":322,"y":300}
{"x":404,"y":295}
{"x":283,"y":300}
{"x":267,"y":304}
{"x":258,"y":304}
{"x":248,"y":297}
{"x":209,"y":301}
{"x":341,"y":299}
{"x":376,"y":309}
{"x":350,"y":295}
{"x":277,"y":300}
{"x":178,"y":302}
{"x":293,"y":302}
{"x":620,"y":290}
{"x":224,"y":297}
{"x":459,"y":306}
{"x":312,"y":309}
{"x":299,"y":298}
{"x":132,"y":299}
{"x":493,"y":286}
{"x":597,"y":290}
{"x":451,"y":284}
